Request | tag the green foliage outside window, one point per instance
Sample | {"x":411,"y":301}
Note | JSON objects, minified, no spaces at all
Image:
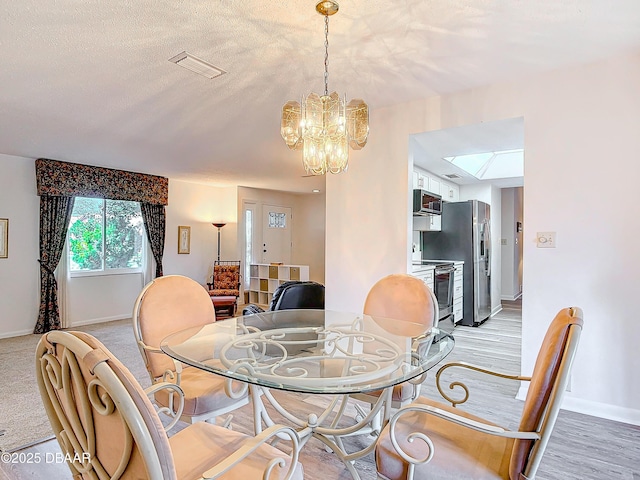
{"x":105,"y":234}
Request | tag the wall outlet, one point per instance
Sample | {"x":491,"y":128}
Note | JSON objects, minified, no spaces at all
{"x":546,"y":239}
{"x":503,"y":241}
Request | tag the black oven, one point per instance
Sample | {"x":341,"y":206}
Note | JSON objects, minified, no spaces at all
{"x":443,"y":277}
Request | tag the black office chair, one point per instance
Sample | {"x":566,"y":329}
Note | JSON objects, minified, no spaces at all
{"x":293,"y":294}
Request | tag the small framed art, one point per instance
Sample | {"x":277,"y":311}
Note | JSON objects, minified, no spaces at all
{"x":184,"y":239}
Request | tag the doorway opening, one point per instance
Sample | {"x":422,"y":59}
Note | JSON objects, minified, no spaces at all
{"x":482,"y":162}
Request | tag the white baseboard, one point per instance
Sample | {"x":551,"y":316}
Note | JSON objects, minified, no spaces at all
{"x":20,"y":333}
{"x":511,"y":298}
{"x":17,"y":333}
{"x":495,"y":310}
{"x":594,"y":409}
{"x":100,"y":320}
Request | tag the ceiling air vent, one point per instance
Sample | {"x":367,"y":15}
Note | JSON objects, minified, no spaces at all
{"x":451,"y":175}
{"x":197,"y":65}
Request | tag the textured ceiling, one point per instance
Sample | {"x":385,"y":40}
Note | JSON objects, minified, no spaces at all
{"x":89,"y":80}
{"x":430,"y":148}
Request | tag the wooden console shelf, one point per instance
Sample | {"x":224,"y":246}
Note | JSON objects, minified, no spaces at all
{"x":264,"y":278}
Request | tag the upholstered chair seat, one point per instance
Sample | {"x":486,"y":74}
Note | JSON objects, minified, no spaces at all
{"x":195,"y":450}
{"x":204,"y":392}
{"x":428,"y":439}
{"x":474,"y":454}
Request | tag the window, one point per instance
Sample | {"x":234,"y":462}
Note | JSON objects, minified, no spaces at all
{"x":105,"y":236}
{"x":277,"y":220}
{"x":248,"y":242}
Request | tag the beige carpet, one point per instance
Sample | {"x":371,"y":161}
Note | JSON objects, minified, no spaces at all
{"x":22,"y":416}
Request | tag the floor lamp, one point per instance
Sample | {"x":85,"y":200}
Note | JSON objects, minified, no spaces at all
{"x":219,"y":226}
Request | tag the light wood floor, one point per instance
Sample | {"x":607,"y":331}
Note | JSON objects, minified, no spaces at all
{"x":581,"y":447}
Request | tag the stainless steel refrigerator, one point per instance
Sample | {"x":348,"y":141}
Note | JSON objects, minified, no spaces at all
{"x":466,"y":235}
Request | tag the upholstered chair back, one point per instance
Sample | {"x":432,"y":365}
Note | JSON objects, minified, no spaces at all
{"x":101,"y":417}
{"x":403,"y":297}
{"x":541,"y":407}
{"x":297,"y":294}
{"x":166,"y":305}
{"x":410,"y":301}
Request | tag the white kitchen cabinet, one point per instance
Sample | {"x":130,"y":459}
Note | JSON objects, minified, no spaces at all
{"x":450,"y":192}
{"x":265,"y":278}
{"x":434,"y":185}
{"x":457,"y":292}
{"x":425,"y":273}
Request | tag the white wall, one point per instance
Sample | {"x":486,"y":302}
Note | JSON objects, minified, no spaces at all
{"x":308,"y":234}
{"x":198,"y":206}
{"x":102,"y":298}
{"x":511,"y":252}
{"x":507,"y":249}
{"x":574,"y":120}
{"x":368,"y":208}
{"x":19,"y":273}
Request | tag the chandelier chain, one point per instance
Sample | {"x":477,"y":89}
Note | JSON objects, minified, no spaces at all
{"x":326,"y":55}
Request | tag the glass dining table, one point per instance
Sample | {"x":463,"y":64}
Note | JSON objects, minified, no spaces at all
{"x":320,"y":352}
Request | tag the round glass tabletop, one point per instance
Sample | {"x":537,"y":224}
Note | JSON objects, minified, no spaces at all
{"x":312,"y":351}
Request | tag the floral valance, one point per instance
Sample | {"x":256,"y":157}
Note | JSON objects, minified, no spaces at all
{"x":64,"y":179}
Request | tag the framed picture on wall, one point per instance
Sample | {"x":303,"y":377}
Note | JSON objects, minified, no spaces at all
{"x":4,"y":238}
{"x":184,"y":239}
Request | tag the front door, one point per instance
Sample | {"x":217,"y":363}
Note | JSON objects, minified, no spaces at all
{"x":276,"y":234}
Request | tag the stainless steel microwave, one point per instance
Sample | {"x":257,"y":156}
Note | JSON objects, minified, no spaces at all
{"x":426,"y":203}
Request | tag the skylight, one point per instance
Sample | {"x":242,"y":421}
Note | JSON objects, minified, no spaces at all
{"x":491,"y":165}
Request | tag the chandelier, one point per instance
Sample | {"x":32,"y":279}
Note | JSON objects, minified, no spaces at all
{"x":325,"y":126}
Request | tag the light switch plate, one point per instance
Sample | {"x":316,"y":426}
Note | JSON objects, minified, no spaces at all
{"x":546,"y":239}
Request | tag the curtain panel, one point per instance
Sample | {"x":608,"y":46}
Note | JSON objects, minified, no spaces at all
{"x":154,"y":219}
{"x":64,"y":179}
{"x":57,"y":184}
{"x":55,"y":213}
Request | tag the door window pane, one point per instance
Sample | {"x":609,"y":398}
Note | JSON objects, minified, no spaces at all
{"x":248,"y":235}
{"x":277,"y":220}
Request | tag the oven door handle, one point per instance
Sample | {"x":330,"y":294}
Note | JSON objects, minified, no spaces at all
{"x":444,"y":270}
